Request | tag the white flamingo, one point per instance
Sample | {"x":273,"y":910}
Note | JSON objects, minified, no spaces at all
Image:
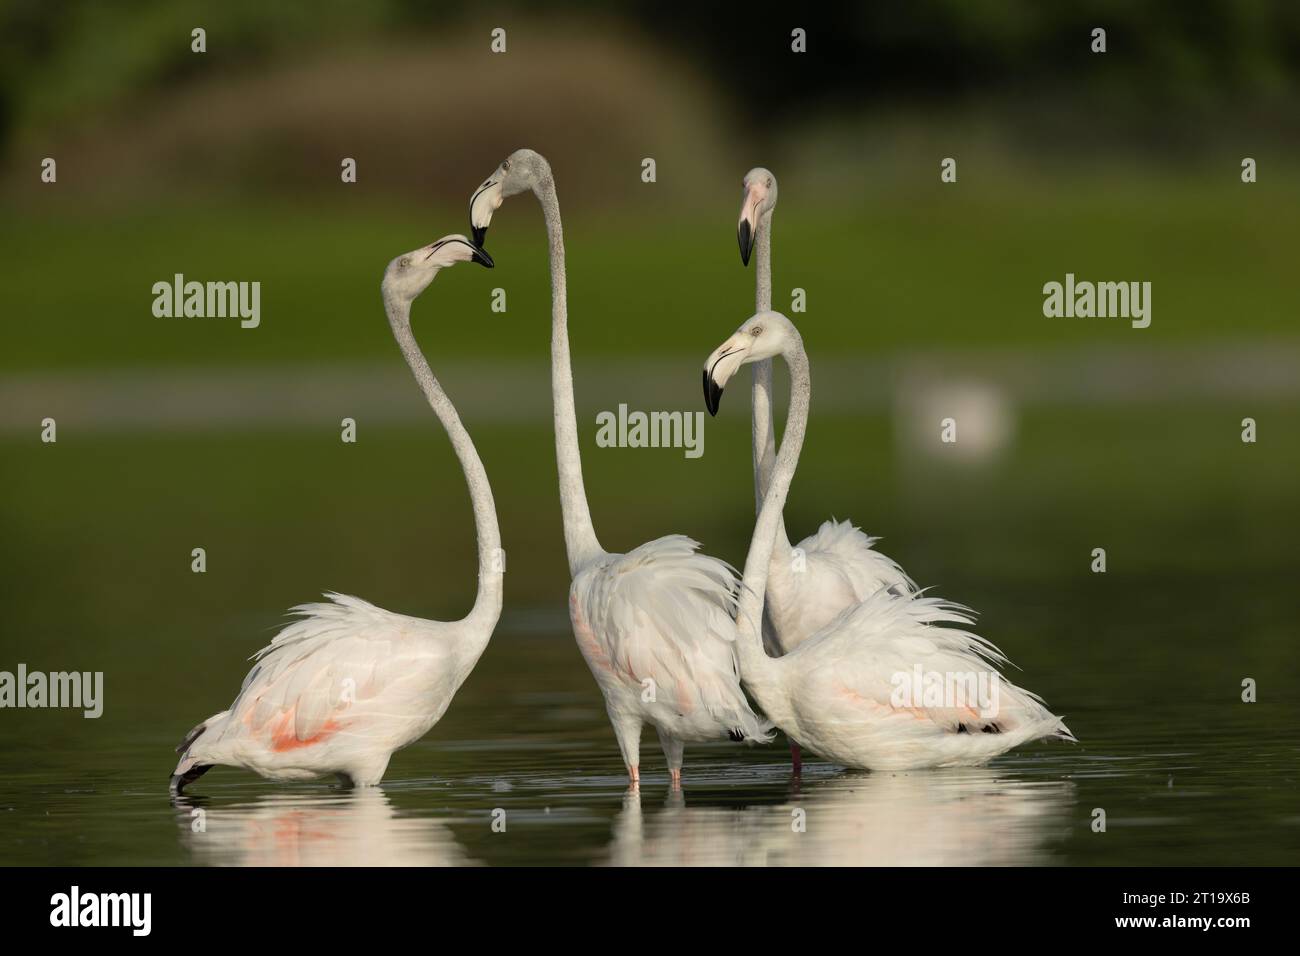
{"x":838,"y":693}
{"x":809,"y":584}
{"x":346,"y":685}
{"x":655,"y":625}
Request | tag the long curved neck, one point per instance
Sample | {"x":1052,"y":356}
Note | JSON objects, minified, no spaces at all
{"x":759,"y":670}
{"x":763,"y":432}
{"x":580,"y":543}
{"x":491,"y":567}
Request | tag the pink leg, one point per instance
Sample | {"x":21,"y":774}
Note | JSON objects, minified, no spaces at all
{"x":634,"y":775}
{"x":796,"y":758}
{"x":675,"y":776}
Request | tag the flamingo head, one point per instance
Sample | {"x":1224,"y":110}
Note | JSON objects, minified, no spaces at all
{"x":759,"y":198}
{"x":762,"y":336}
{"x":523,"y":169}
{"x":410,"y":274}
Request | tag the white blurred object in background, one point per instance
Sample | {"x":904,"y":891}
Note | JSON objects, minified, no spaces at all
{"x":967,"y":420}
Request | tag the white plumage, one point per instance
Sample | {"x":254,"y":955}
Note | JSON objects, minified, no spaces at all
{"x":657,"y":628}
{"x":655,"y":624}
{"x":828,"y":571}
{"x":336,"y":692}
{"x":891,"y":681}
{"x":844,"y":681}
{"x":341,"y":689}
{"x":838,"y":565}
{"x":847,"y":618}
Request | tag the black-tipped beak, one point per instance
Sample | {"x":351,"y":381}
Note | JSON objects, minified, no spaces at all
{"x":712,"y":393}
{"x":482,"y":258}
{"x":479,"y":233}
{"x":746,"y":237}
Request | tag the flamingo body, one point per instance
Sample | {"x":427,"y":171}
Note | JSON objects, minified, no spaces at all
{"x":337,"y":692}
{"x":838,"y":566}
{"x":828,"y":571}
{"x":892,"y":681}
{"x":656,"y":626}
{"x":342,"y":688}
{"x":842,"y":689}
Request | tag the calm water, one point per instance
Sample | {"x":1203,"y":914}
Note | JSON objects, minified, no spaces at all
{"x":1145,"y":661}
{"x":1189,"y":782}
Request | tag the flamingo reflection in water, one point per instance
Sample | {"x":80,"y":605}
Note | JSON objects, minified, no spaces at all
{"x":344,"y":828}
{"x":952,"y":817}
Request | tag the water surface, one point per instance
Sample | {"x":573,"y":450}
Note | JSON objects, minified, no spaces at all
{"x":1145,"y":661}
{"x":1180,"y":783}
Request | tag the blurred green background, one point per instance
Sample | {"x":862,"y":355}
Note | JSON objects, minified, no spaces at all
{"x":923,"y":300}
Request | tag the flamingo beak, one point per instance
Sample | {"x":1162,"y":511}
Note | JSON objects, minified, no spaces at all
{"x":712,"y":393}
{"x":746,"y":236}
{"x":719,"y":368}
{"x":481,"y":256}
{"x":486,"y":200}
{"x":747,"y":228}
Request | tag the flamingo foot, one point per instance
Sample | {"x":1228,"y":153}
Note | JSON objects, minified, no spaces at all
{"x":675,"y":776}
{"x":796,"y":759}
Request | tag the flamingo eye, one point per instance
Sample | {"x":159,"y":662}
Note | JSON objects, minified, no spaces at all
{"x":505,"y":167}
{"x":403,"y":262}
{"x":756,"y":331}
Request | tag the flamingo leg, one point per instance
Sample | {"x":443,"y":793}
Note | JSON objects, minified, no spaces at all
{"x":673,"y":750}
{"x":796,"y":758}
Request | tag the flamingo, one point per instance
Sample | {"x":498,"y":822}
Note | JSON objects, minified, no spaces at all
{"x":347,"y":684}
{"x":811,"y":583}
{"x":655,"y":625}
{"x":837,"y":693}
